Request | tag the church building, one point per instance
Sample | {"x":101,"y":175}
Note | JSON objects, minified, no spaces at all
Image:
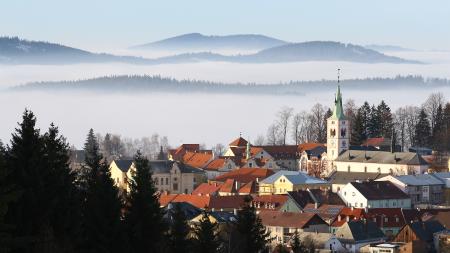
{"x":341,"y":158}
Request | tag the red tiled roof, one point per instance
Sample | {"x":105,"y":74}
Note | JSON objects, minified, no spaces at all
{"x":375,"y":142}
{"x":228,"y":186}
{"x":207,"y":189}
{"x":288,"y":219}
{"x":239,"y":142}
{"x":216,"y":202}
{"x":269,"y":202}
{"x":197,"y":160}
{"x":245,"y":175}
{"x":394,"y":217}
{"x":308,"y":146}
{"x":353,"y":214}
{"x":178,"y":153}
{"x":248,"y":188}
{"x":215,"y":164}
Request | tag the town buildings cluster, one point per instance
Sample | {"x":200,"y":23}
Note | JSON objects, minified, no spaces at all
{"x":367,"y":198}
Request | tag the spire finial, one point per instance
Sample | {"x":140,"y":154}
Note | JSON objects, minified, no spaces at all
{"x":240,"y":134}
{"x":339,"y":75}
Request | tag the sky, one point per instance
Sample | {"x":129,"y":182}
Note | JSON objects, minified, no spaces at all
{"x":101,"y":25}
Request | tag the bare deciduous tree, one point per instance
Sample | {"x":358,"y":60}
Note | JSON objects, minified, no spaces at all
{"x":431,"y":106}
{"x":284,"y":116}
{"x":260,"y":140}
{"x":273,"y":134}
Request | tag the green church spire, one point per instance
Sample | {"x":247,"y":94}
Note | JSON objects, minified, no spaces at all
{"x":338,"y":112}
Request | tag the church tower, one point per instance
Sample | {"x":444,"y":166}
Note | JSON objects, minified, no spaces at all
{"x":338,"y":132}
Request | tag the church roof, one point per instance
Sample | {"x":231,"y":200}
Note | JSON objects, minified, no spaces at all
{"x":382,"y":157}
{"x":239,"y":142}
{"x":338,"y":112}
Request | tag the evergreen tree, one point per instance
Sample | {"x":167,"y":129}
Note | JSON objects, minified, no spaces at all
{"x":30,"y":214}
{"x":423,"y":130}
{"x":280,"y":248}
{"x":438,"y":131}
{"x":365,"y":118}
{"x":252,"y":234}
{"x":446,"y":120}
{"x":7,"y":195}
{"x":177,"y":237}
{"x":102,"y":229}
{"x":385,"y":119}
{"x":143,"y":216}
{"x":374,"y":123}
{"x":66,"y":211}
{"x":358,"y":129}
{"x":206,"y":237}
{"x":296,"y":244}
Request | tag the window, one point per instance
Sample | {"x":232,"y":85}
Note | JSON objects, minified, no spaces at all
{"x":175,"y":186}
{"x":386,"y":219}
{"x":379,"y":170}
{"x":360,"y":204}
{"x":365,"y":169}
{"x":348,"y":168}
{"x":250,"y":165}
{"x":167,"y":181}
{"x":156,"y":181}
{"x":162,"y":181}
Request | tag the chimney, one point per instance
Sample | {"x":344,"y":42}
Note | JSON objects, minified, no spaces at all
{"x":347,"y":218}
{"x":339,"y":217}
{"x":257,"y":180}
{"x":235,"y":212}
{"x":316,"y":205}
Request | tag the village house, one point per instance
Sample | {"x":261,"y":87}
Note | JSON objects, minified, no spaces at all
{"x":212,"y":203}
{"x":355,"y":234}
{"x":418,"y":235}
{"x":339,"y":179}
{"x":284,"y":181}
{"x":219,"y":166}
{"x":120,"y":172}
{"x":374,"y":194}
{"x":423,"y":189}
{"x":345,"y":215}
{"x":445,"y":178}
{"x":389,"y":220}
{"x":282,"y":225}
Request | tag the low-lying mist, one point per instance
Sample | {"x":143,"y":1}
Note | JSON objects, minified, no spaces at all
{"x":188,"y":118}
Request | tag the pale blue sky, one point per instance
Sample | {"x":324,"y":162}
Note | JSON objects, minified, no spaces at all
{"x":94,"y":24}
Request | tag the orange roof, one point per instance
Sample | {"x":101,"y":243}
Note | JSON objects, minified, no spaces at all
{"x":270,"y":202}
{"x":181,"y":150}
{"x":248,"y":188}
{"x":215,"y":164}
{"x":207,"y":189}
{"x":216,"y":202}
{"x":374,"y":141}
{"x":352,"y":213}
{"x":228,"y":186}
{"x":309,"y":146}
{"x":239,"y":142}
{"x":245,"y":175}
{"x":197,"y":160}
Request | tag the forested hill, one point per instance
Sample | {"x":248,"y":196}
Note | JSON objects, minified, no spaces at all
{"x":150,"y":84}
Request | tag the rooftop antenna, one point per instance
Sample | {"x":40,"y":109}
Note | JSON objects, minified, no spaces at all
{"x":240,"y":134}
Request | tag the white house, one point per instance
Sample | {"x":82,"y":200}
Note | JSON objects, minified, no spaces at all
{"x":374,"y":194}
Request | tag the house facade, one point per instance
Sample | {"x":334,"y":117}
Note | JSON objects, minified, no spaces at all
{"x":284,"y":181}
{"x":374,"y":194}
{"x":423,"y":189}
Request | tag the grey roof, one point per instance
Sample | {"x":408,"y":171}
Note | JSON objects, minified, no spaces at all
{"x":425,"y":230}
{"x":294,"y":177}
{"x":124,"y":164}
{"x":420,"y":179}
{"x":375,"y":190}
{"x":188,"y":209}
{"x":383,"y":157}
{"x":223,"y":217}
{"x":343,"y":177}
{"x":359,"y":231}
{"x":442,"y":175}
{"x":164,"y":166}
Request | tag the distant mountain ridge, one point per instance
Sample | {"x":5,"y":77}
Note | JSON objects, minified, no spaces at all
{"x":197,"y":41}
{"x":388,"y":48}
{"x":149,"y":84}
{"x":17,"y":51}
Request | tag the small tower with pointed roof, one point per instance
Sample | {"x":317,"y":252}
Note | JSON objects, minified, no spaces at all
{"x":338,"y":128}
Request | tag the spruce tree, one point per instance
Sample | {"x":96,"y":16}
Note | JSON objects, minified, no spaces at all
{"x":385,"y":119}
{"x":423,"y":130}
{"x":206,"y":237}
{"x":102,"y":229}
{"x":66,"y":210}
{"x":8,"y":194}
{"x":358,"y":129}
{"x":296,"y":244}
{"x":374,"y":123}
{"x":438,"y":131}
{"x":177,"y":237}
{"x":143,"y":215}
{"x":446,"y":127}
{"x":30,"y":214}
{"x":365,"y":116}
{"x":252,"y":233}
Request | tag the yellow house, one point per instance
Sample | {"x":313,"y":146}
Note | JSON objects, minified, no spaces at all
{"x":284,"y":181}
{"x":120,"y":172}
